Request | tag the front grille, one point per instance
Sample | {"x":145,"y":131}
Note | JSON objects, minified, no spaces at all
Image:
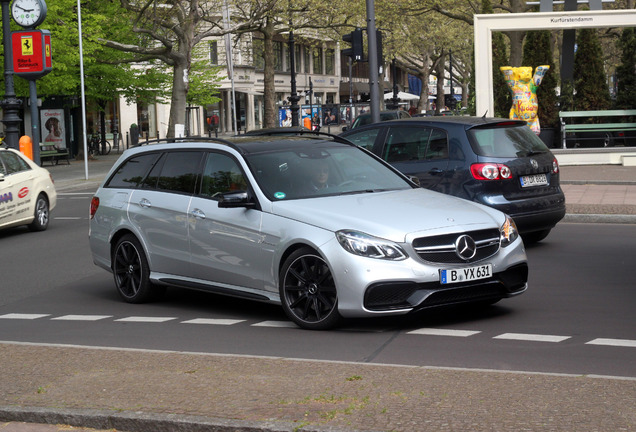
{"x":441,"y":249}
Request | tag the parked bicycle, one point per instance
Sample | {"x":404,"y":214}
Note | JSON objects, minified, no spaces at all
{"x":98,"y":147}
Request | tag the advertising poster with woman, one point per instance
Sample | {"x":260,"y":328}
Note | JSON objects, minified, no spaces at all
{"x":52,"y":127}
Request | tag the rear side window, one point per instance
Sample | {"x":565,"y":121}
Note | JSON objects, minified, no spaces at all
{"x":133,"y":171}
{"x":179,"y":172}
{"x":414,"y":144}
{"x":507,"y":142}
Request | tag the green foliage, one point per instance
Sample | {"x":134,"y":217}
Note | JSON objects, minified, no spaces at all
{"x":590,"y":80}
{"x":626,"y":71}
{"x":537,"y":51}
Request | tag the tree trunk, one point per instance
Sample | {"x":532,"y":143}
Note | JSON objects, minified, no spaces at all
{"x":178,"y":103}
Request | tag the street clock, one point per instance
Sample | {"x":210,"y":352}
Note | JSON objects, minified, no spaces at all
{"x":28,"y":13}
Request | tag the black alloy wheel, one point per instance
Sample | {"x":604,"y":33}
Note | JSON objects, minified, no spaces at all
{"x":308,"y":292}
{"x":131,"y":271}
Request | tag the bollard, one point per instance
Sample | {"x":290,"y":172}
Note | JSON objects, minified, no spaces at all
{"x":26,"y":146}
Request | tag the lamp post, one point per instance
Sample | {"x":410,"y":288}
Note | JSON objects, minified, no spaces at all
{"x":10,"y":104}
{"x":294,"y":98}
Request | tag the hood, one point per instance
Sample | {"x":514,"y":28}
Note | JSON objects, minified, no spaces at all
{"x":391,"y":215}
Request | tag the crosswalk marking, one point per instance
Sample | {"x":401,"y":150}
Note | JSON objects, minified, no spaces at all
{"x":443,"y":332}
{"x":212,"y":321}
{"x":81,"y":317}
{"x":613,"y":342}
{"x":277,"y":324}
{"x":532,"y":337}
{"x":141,"y":319}
{"x":23,"y":316}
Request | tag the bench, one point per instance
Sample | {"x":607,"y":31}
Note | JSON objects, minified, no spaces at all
{"x":609,"y":129}
{"x":54,"y":155}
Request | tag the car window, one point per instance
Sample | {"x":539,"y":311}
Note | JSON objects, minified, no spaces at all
{"x":12,"y":163}
{"x":133,"y":171}
{"x":510,"y":142}
{"x":179,"y":171}
{"x":364,"y":138}
{"x":414,"y":144}
{"x":221,"y":174}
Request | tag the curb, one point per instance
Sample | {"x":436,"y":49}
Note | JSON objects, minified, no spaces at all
{"x":599,"y":218}
{"x":147,"y":422}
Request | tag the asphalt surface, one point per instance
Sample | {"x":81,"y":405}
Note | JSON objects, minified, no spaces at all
{"x":60,"y":388}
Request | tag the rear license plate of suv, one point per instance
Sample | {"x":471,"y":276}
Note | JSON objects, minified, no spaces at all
{"x":534,"y":180}
{"x":465,"y":274}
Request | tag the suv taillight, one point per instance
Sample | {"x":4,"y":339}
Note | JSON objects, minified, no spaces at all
{"x":94,"y":206}
{"x":490,"y":171}
{"x":555,"y":166}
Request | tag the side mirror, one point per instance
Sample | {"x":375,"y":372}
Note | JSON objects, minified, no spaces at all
{"x":415,"y":180}
{"x":345,"y":128}
{"x":236,"y":200}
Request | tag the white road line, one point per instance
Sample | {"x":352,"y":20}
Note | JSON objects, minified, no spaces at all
{"x":613,"y":342}
{"x":532,"y":337}
{"x":81,"y":317}
{"x":210,"y":321}
{"x":444,"y":332}
{"x":141,"y":319}
{"x":68,"y":218}
{"x":23,"y":316}
{"x":278,"y":324}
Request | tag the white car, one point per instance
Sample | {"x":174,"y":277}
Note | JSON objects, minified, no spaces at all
{"x":27,"y":193}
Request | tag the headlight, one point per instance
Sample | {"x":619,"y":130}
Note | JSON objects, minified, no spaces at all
{"x":368,"y":246}
{"x":509,"y":232}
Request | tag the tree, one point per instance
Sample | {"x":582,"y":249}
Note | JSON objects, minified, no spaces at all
{"x":537,"y":51}
{"x":626,"y":71}
{"x":590,"y":80}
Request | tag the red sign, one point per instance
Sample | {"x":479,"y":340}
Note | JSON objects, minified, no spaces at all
{"x":31,"y":53}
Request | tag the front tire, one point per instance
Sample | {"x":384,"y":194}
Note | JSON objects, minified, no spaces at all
{"x":131,"y":270}
{"x":308,"y":292}
{"x":41,"y":214}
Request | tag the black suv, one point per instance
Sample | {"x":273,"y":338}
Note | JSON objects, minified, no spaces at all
{"x":497,"y":162}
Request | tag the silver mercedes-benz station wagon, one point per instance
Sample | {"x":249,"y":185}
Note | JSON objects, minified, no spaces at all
{"x":311,"y":222}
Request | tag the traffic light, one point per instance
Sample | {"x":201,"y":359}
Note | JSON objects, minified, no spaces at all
{"x":355,"y":39}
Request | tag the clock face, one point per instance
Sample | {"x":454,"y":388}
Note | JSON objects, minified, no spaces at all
{"x":28,"y":13}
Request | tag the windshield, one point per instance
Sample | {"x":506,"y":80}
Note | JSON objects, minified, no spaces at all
{"x":321,"y":171}
{"x":506,"y":142}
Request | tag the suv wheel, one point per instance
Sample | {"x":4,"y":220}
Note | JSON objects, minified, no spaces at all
{"x":308,"y":292}
{"x":131,"y":271}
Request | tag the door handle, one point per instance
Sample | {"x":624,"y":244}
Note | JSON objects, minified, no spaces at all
{"x":436,"y":171}
{"x":145,"y":203}
{"x":198,"y":214}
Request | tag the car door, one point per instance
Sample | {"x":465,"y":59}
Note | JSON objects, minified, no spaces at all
{"x":158,"y":209}
{"x":418,"y":151}
{"x":226,"y":244}
{"x":17,"y":196}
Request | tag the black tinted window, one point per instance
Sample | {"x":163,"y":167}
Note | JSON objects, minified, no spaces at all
{"x":509,"y":142}
{"x":179,"y":172}
{"x":221,"y":175}
{"x":414,"y":144}
{"x":131,"y":172}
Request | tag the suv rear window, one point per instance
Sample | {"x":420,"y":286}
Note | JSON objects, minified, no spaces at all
{"x":504,"y":141}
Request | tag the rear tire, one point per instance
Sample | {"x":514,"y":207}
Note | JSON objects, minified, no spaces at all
{"x":308,"y":292}
{"x":41,"y":214}
{"x":131,"y":271}
{"x":535,"y":236}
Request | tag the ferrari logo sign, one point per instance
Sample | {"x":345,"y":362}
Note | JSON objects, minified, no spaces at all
{"x":27,"y":45}
{"x":31,"y":53}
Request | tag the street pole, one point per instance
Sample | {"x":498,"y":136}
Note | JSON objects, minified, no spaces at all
{"x":373,"y":63}
{"x":294,"y":98}
{"x":311,"y":103}
{"x":10,"y":104}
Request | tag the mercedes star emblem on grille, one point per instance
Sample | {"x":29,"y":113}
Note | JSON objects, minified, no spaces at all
{"x":465,"y":247}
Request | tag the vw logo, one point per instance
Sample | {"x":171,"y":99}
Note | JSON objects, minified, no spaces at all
{"x":534,"y":164}
{"x":465,"y":247}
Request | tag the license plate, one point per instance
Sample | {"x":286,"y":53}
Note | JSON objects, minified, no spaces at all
{"x":465,"y":274}
{"x":534,"y":180}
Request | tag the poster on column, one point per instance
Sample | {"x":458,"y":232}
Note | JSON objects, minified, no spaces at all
{"x":52,"y":127}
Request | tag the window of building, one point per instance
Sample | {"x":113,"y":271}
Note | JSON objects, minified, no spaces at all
{"x":306,"y":57}
{"x":257,"y":53}
{"x":330,"y":59}
{"x":317,"y":57}
{"x":147,"y":119}
{"x":214,"y":53}
{"x":278,"y":56}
